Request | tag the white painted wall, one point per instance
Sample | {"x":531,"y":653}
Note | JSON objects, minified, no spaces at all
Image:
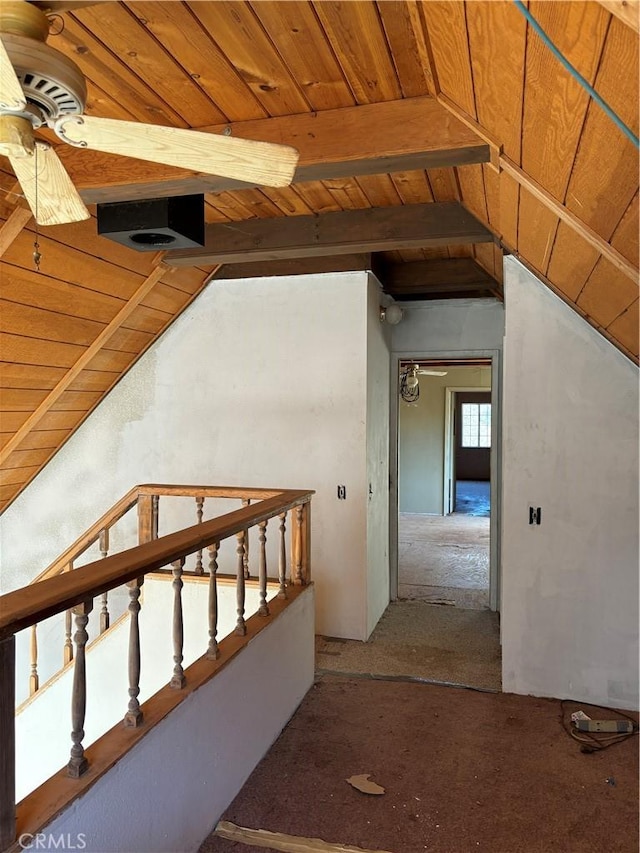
{"x":449,"y":325}
{"x":570,"y":446}
{"x":260,"y":382}
{"x":377,"y":422}
{"x":421,"y":445}
{"x":170,"y":790}
{"x":43,"y":722}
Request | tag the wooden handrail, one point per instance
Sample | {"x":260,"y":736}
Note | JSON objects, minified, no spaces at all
{"x":116,"y":512}
{"x":208,"y":491}
{"x":91,"y":535}
{"x":30,"y":605}
{"x":73,"y":592}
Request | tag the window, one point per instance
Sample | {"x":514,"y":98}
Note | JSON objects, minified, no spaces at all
{"x":476,"y":424}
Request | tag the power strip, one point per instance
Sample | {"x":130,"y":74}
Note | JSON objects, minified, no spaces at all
{"x":622,"y":727}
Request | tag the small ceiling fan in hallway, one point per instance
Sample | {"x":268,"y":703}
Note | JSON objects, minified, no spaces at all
{"x":409,"y":382}
{"x":40,"y":86}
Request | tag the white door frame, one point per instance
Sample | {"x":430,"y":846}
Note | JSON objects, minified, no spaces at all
{"x":495,"y":524}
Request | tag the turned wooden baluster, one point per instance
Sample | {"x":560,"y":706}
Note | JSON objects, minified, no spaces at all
{"x":68,"y":645}
{"x":177,"y":679}
{"x":241,"y":627}
{"x":133,"y":718}
{"x":199,"y":509}
{"x":34,"y":681}
{"x":282,"y":562}
{"x":78,"y":763}
{"x":67,"y":653}
{"x":263,"y":609}
{"x":298,"y":579}
{"x":104,"y":601}
{"x":213,"y":652}
{"x":247,"y":573}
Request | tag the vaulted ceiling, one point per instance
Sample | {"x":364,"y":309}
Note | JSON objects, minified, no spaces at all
{"x":433,"y":137}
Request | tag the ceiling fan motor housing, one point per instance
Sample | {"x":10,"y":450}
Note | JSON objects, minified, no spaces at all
{"x":154,"y":224}
{"x":51,"y":82}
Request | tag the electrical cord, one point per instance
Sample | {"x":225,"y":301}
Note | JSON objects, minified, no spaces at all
{"x":577,"y":75}
{"x":593,"y":741}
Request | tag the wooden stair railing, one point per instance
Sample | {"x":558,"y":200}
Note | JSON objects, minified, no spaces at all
{"x":146,"y":499}
{"x":74,"y":592}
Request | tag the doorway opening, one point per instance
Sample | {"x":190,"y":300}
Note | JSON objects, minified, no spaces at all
{"x":468,"y":451}
{"x":445,"y":507}
{"x":444,"y":482}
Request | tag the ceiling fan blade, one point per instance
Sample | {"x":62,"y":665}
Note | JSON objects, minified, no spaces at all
{"x":259,"y":163}
{"x":11,"y":94}
{"x":63,"y":5}
{"x":432,"y":372}
{"x":50,"y":193}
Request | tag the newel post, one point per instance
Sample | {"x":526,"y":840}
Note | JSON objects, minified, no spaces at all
{"x":147,"y":518}
{"x":306,"y":542}
{"x":301,"y":545}
{"x":8,"y":737}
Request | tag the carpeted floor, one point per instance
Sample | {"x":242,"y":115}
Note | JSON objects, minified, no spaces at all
{"x":444,"y":559}
{"x":463,"y":771}
{"x":422,"y":640}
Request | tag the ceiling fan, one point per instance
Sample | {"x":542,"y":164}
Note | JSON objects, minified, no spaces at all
{"x":409,"y":382}
{"x":414,"y":370}
{"x":41,"y":86}
{"x":423,"y":371}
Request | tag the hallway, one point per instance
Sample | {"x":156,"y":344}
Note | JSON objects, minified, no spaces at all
{"x":424,"y":642}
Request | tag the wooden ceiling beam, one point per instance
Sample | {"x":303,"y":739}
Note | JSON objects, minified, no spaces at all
{"x":429,"y":279}
{"x":296,"y":266}
{"x":627,"y":11}
{"x":391,"y":136}
{"x":434,"y":273}
{"x":447,"y":291}
{"x":569,"y":218}
{"x":411,"y":226}
{"x":12,"y":227}
{"x":436,"y":278}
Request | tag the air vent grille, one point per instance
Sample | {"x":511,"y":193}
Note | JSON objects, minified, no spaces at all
{"x":53,"y":98}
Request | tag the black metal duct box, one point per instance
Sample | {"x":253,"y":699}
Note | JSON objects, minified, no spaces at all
{"x":154,"y":224}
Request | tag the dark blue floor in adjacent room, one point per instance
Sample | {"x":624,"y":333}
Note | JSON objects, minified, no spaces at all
{"x":473,"y":497}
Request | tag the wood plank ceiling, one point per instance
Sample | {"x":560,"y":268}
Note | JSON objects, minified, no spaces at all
{"x":496,"y":125}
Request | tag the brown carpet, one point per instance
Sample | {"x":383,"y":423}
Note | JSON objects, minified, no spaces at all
{"x":463,"y":771}
{"x":427,"y":641}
